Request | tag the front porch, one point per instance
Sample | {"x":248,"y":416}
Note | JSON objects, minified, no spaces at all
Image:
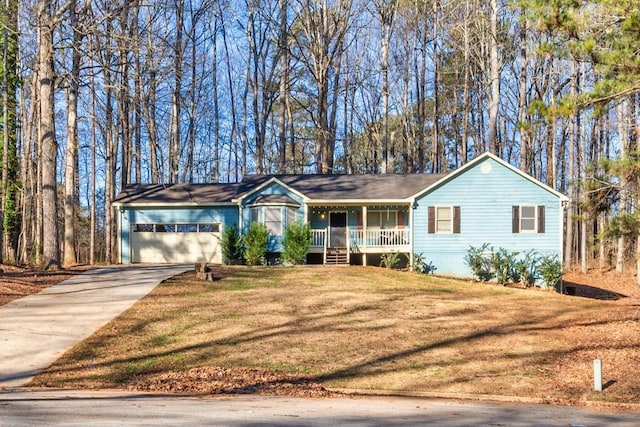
{"x":338,"y":232}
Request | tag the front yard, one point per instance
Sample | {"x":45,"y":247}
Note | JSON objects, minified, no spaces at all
{"x":292,"y":330}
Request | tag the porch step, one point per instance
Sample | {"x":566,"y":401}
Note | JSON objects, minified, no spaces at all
{"x":337,"y":256}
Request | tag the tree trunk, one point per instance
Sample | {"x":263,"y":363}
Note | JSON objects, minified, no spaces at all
{"x":523,"y":126}
{"x":176,"y":99}
{"x":623,"y":137}
{"x":494,"y":79}
{"x":70,"y":195}
{"x":10,"y":218}
{"x":50,"y":245}
{"x":283,"y":52}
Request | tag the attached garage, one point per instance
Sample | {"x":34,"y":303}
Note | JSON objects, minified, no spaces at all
{"x":175,"y":243}
{"x":179,"y":223}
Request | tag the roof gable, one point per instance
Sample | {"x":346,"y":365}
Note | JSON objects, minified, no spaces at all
{"x":475,"y":162}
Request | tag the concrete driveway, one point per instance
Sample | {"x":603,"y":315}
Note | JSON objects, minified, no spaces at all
{"x":37,"y":329}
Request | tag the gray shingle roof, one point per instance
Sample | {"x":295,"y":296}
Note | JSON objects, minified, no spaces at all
{"x":342,"y":188}
{"x":177,"y":193}
{"x":352,"y":187}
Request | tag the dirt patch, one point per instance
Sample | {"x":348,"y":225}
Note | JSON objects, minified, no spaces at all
{"x":16,"y":282}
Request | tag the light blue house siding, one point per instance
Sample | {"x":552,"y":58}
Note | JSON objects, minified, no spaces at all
{"x":273,"y":189}
{"x":486,"y":194}
{"x":224,"y":215}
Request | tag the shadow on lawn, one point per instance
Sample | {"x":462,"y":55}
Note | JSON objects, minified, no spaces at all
{"x":586,"y":291}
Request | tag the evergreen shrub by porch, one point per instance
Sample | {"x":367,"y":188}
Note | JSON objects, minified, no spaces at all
{"x":255,"y":242}
{"x":232,"y":246}
{"x":390,"y":259}
{"x":296,"y":243}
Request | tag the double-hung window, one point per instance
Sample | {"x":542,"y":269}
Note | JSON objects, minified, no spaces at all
{"x":528,"y":219}
{"x":273,"y":220}
{"x":444,"y":219}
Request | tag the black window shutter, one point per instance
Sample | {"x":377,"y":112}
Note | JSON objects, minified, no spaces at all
{"x":515,"y":222}
{"x":432,"y":219}
{"x":541,"y":220}
{"x":456,"y":219}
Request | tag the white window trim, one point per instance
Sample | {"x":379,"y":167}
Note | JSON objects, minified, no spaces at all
{"x":437,"y":208}
{"x":535,"y":219}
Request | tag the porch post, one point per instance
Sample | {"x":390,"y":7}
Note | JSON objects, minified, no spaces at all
{"x":411,"y":232}
{"x":364,"y":235}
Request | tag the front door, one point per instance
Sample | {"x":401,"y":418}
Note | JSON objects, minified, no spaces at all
{"x":338,"y":229}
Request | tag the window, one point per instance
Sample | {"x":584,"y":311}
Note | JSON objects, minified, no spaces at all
{"x":444,"y":219}
{"x":209,"y":228}
{"x":142,"y":228}
{"x":291,"y":215}
{"x":173,"y":228}
{"x":528,"y":219}
{"x":187,"y":228}
{"x":382,"y":219}
{"x":273,"y":220}
{"x":165,"y":228}
{"x":254,"y":215}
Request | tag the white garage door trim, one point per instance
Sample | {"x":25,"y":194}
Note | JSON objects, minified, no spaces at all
{"x":175,"y":243}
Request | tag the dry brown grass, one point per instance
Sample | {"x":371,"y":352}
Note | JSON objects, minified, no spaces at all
{"x":364,"y":328}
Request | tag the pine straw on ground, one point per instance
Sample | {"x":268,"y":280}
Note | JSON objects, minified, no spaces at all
{"x":18,"y":282}
{"x":217,"y":380}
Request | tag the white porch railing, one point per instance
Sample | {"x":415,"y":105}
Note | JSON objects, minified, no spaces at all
{"x":319,"y":240}
{"x":380,"y":238}
{"x":318,"y":237}
{"x":387,"y":238}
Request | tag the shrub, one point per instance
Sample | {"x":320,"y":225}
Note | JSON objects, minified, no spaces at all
{"x":526,"y":268}
{"x":231,"y":245}
{"x":420,"y":266}
{"x":296,"y":243}
{"x":550,"y":269}
{"x":255,"y":242}
{"x":390,"y":259}
{"x":502,"y":263}
{"x":479,"y":260}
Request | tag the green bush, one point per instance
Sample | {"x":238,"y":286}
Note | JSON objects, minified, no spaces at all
{"x":255,"y":242}
{"x":550,"y":269}
{"x":526,"y":268}
{"x":502,"y":264}
{"x":420,"y":266}
{"x":296,"y":243}
{"x":231,"y":245}
{"x":479,"y":261}
{"x":390,"y":259}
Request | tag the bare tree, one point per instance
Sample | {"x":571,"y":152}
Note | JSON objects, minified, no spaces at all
{"x":320,"y":45}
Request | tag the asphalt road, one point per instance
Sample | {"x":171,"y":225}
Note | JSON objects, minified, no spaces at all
{"x":21,"y":407}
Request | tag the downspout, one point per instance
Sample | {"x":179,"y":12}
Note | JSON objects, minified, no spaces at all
{"x":564,"y":204}
{"x":120,"y":213}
